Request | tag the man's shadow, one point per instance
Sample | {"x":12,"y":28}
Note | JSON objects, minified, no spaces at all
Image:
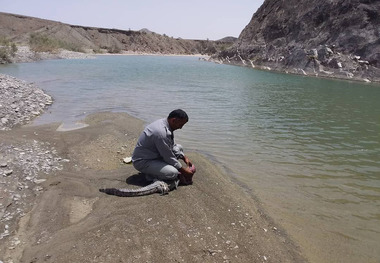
{"x":137,"y":180}
{"x":140,"y":181}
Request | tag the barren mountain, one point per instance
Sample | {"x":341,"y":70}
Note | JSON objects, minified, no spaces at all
{"x":19,"y":29}
{"x":337,"y":38}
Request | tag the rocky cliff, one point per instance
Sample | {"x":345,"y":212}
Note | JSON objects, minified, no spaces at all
{"x":334,"y":38}
{"x":19,"y":29}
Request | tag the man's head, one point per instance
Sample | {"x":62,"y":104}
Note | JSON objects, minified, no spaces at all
{"x":177,"y":118}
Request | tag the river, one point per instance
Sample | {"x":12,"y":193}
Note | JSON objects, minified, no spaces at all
{"x":308,"y":148}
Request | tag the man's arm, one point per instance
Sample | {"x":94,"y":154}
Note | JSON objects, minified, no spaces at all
{"x":165,"y":150}
{"x":187,"y":161}
{"x":190,"y":169}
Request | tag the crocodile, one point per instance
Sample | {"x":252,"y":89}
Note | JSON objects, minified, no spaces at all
{"x":156,"y":187}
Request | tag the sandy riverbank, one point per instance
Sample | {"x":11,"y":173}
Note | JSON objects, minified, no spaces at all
{"x":69,"y":220}
{"x":24,"y":54}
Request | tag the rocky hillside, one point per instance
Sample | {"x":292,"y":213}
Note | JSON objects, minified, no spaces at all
{"x":19,"y":29}
{"x":335,"y":38}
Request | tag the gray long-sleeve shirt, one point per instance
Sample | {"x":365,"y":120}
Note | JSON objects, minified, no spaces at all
{"x":156,"y":142}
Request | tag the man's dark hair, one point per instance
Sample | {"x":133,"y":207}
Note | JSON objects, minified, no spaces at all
{"x":179,"y":114}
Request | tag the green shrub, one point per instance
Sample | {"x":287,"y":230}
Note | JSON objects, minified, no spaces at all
{"x":7,"y":50}
{"x":4,"y":56}
{"x":42,"y":43}
{"x":98,"y":51}
{"x":13,"y":49}
{"x":113,"y":50}
{"x":70,"y":46}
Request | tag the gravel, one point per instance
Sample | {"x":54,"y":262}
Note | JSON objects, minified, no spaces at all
{"x":20,"y":102}
{"x":24,"y":54}
{"x":23,"y":168}
{"x":24,"y":164}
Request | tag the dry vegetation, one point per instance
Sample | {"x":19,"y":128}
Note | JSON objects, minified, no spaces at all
{"x":8,"y":49}
{"x":43,"y":43}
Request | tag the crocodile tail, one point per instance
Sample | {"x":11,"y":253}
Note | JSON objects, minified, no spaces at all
{"x":128,"y":192}
{"x":156,"y":187}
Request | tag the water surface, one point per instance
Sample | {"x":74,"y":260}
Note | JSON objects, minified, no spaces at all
{"x":308,"y":148}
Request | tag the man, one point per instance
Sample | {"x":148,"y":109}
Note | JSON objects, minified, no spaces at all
{"x":156,"y":155}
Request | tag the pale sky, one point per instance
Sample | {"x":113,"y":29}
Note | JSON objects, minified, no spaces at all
{"x":189,"y":19}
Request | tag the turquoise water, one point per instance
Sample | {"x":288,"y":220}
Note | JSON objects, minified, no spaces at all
{"x":308,"y":148}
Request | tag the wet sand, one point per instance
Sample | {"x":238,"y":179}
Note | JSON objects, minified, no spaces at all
{"x":213,"y":220}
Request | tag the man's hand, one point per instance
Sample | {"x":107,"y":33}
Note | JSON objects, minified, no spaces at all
{"x":192,"y":168}
{"x":187,"y":161}
{"x":186,"y":175}
{"x":187,"y":170}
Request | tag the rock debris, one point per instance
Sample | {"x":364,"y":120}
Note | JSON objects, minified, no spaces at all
{"x":24,"y":165}
{"x":20,"y":102}
{"x":22,"y":171}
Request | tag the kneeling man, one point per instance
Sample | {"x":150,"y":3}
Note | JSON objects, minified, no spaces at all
{"x":156,"y":155}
